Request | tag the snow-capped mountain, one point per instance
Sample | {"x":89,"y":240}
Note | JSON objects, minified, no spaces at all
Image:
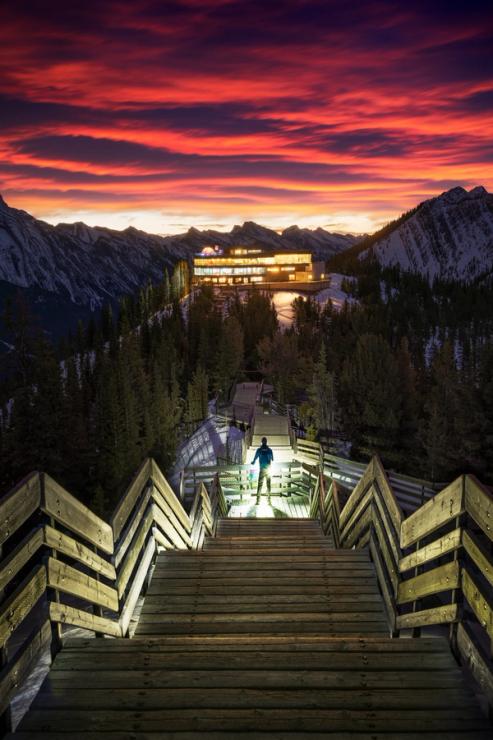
{"x":82,"y":264}
{"x":69,"y":270}
{"x":450,"y":237}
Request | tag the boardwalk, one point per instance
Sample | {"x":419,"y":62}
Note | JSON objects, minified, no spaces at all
{"x":268,"y":632}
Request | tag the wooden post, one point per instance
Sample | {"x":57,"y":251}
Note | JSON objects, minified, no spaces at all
{"x":6,"y":716}
{"x":455,"y":592}
{"x":53,"y":595}
{"x":416,"y":631}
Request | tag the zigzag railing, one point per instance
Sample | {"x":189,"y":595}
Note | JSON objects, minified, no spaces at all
{"x":62,"y":564}
{"x":434,"y":567}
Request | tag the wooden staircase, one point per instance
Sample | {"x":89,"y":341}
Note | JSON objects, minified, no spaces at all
{"x":267,"y":632}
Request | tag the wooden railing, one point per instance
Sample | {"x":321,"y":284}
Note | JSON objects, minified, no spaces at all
{"x":62,"y":564}
{"x":434,"y":567}
{"x":293,"y":477}
{"x":411,"y":492}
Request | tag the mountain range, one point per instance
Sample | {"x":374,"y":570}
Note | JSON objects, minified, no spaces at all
{"x":448,"y":237}
{"x":66,"y":272}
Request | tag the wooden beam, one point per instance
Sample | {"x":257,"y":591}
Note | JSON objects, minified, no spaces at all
{"x":480,"y":667}
{"x":69,"y":511}
{"x":436,"y":549}
{"x":478,"y":556}
{"x":136,"y":587}
{"x":439,"y":615}
{"x":68,"y":580}
{"x":444,"y":578}
{"x":358,"y":492}
{"x":134,"y":552}
{"x":443,"y":508}
{"x":18,"y":605}
{"x":15,"y":673}
{"x":388,"y":495}
{"x":167,"y":528}
{"x":479,"y":504}
{"x":19,"y":504}
{"x":127,"y":502}
{"x":64,"y":614}
{"x":388,"y":599}
{"x":128,"y":532}
{"x":169,"y":495}
{"x":69,"y":546}
{"x":21,"y":555}
{"x":478,"y":602}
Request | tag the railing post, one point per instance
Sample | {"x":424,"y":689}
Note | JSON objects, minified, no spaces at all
{"x":455,"y":591}
{"x":416,"y":631}
{"x":6,"y":716}
{"x":52,"y":594}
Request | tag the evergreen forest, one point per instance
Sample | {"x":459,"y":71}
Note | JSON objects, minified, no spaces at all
{"x":404,"y":369}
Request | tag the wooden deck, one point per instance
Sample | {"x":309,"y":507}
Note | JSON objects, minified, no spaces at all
{"x":268,"y":632}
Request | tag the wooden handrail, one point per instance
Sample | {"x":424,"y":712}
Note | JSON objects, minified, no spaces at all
{"x":434,"y":567}
{"x":54,"y":547}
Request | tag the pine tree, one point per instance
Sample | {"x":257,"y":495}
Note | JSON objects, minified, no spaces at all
{"x":322,"y":393}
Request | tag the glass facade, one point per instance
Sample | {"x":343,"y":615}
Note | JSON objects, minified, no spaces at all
{"x":242,"y":265}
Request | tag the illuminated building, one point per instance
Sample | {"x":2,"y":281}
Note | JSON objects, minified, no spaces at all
{"x":250,"y":266}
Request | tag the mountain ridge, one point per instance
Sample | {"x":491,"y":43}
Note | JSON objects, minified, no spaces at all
{"x":449,"y":237}
{"x":76,"y":267}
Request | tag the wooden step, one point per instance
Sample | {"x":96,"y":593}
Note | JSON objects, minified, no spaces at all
{"x":266,"y":634}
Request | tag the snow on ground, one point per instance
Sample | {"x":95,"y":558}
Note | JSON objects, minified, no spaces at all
{"x":283,"y":299}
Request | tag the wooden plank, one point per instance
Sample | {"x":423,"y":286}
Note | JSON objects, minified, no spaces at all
{"x":169,"y":495}
{"x":458,"y":723}
{"x":444,"y":578}
{"x":227,"y":698}
{"x":363,"y":504}
{"x":17,"y":559}
{"x":357,"y":494}
{"x":439,"y":615}
{"x":449,"y":542}
{"x":478,"y":556}
{"x":168,"y":512}
{"x":19,"y":604}
{"x":161,"y":539}
{"x":68,"y":615}
{"x":68,"y":546}
{"x":136,"y":587}
{"x":478,"y":602}
{"x":358,"y":527}
{"x":128,"y":532}
{"x":167,"y":528}
{"x":18,"y":505}
{"x":134,"y":552}
{"x":17,"y":671}
{"x":69,"y":511}
{"x":384,"y":587}
{"x":474,"y":660}
{"x":443,"y":508}
{"x":392,"y":535}
{"x":383,"y":542}
{"x":479,"y":504}
{"x":69,"y":580}
{"x":388,"y":495}
{"x":129,"y":499}
{"x":287,"y":678}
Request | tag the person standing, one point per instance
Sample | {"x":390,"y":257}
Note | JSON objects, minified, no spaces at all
{"x":265,"y":457}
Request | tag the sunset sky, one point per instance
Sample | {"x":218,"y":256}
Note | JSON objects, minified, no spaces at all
{"x":166,"y":115}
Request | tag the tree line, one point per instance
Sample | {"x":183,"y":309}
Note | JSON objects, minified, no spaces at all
{"x":133,"y":382}
{"x":404,"y":370}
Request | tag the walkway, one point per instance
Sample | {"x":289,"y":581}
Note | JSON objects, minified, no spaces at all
{"x":268,"y":632}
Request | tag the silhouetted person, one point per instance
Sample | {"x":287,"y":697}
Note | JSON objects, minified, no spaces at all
{"x":265,"y":457}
